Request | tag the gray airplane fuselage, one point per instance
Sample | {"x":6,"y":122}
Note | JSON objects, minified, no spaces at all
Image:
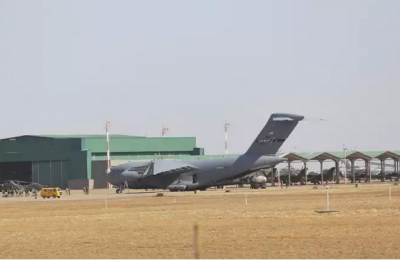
{"x":206,"y":171}
{"x":200,"y":174}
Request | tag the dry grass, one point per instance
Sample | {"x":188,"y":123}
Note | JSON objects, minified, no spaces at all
{"x":275,"y":224}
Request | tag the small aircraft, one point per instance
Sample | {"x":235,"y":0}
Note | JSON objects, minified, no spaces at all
{"x":13,"y":184}
{"x":386,"y":165}
{"x":201,"y":174}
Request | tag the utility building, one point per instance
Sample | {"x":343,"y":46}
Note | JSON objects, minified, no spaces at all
{"x":80,"y":160}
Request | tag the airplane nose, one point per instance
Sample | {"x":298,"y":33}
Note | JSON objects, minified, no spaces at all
{"x":113,"y":178}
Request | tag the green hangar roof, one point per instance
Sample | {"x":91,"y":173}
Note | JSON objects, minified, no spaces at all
{"x":141,"y":145}
{"x":96,"y":144}
{"x":87,"y":136}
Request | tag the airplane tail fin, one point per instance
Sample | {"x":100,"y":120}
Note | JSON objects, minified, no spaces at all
{"x":274,"y":134}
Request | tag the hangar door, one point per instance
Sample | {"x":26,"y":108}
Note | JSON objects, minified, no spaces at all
{"x":51,"y":173}
{"x":18,"y":171}
{"x":99,"y":174}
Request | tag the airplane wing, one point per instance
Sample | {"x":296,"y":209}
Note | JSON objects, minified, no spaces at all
{"x":163,"y":173}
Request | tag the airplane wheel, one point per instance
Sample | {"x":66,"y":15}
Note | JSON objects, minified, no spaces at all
{"x":43,"y":197}
{"x":58,"y":197}
{"x":54,"y":197}
{"x":118,"y":191}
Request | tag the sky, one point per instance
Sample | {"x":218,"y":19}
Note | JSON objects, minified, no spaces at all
{"x":68,"y":66}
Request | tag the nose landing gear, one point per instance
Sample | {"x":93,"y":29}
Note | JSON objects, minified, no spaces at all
{"x":122,"y":187}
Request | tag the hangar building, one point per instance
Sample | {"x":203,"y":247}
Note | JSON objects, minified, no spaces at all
{"x":77,"y":160}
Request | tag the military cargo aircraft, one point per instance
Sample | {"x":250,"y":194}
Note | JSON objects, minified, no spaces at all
{"x":200,"y":174}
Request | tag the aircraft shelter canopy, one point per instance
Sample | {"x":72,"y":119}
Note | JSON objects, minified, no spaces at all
{"x":358,"y":155}
{"x":389,"y":155}
{"x":294,"y":157}
{"x":340,"y":155}
{"x":325,"y":156}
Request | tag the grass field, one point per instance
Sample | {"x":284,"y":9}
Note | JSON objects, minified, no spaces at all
{"x":275,"y":224}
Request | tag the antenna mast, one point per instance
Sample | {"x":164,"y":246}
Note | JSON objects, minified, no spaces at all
{"x":108,"y":153}
{"x":164,"y":131}
{"x":226,"y":126}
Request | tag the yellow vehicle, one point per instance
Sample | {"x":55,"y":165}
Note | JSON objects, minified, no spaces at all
{"x":51,"y":192}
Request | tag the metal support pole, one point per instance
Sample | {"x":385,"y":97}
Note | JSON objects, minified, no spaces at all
{"x":322,"y":172}
{"x":369,"y":171}
{"x":395,"y":165}
{"x":289,"y":179}
{"x":353,"y":172}
{"x":305,"y":168}
{"x":383,"y":162}
{"x":108,"y":153}
{"x":337,"y":172}
{"x":345,"y":166}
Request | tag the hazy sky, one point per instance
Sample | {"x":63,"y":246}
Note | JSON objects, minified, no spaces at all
{"x":67,"y":66}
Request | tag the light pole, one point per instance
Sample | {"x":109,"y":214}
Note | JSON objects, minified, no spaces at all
{"x":345,"y":165}
{"x":226,"y":126}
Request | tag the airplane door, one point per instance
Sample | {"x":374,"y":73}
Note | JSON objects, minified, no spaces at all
{"x":194,"y":178}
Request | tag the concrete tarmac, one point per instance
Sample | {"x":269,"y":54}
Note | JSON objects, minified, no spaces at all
{"x":110,"y":194}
